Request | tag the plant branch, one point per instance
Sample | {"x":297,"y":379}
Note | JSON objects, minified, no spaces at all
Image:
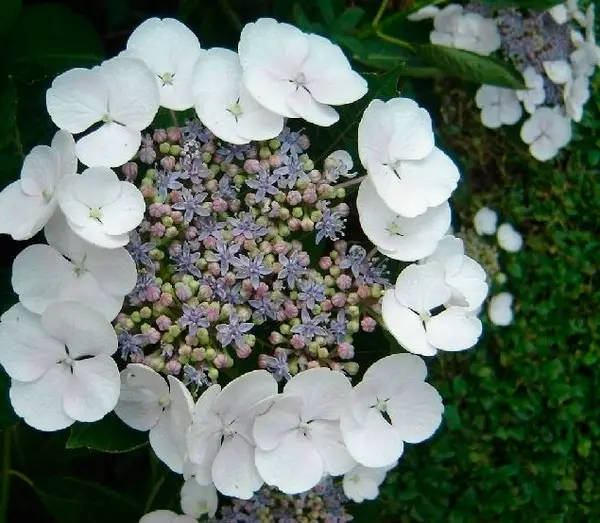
{"x":349,"y":183}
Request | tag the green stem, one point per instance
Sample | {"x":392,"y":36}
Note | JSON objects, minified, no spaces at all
{"x":153,"y":494}
{"x":22,"y":477}
{"x":231,"y":14}
{"x":349,"y":183}
{"x":379,"y":15}
{"x":4,"y":478}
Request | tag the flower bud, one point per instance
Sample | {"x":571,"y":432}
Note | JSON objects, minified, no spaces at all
{"x":368,"y":324}
{"x":345,"y":350}
{"x":173,"y":367}
{"x":160,"y":136}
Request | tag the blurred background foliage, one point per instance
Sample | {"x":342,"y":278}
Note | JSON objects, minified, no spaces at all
{"x":519,"y":439}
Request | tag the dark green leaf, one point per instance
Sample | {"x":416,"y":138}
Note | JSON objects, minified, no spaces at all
{"x":7,"y":415}
{"x":471,"y":66}
{"x":349,"y":19}
{"x":327,"y":11}
{"x":109,"y":434}
{"x":381,"y":55}
{"x":8,"y":111}
{"x":49,"y":38}
{"x":71,"y":500}
{"x":10,"y":10}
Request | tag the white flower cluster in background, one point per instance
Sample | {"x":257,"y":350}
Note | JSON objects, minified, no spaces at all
{"x":555,"y":51}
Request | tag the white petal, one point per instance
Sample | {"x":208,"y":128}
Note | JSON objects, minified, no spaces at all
{"x":391,"y":371}
{"x":197,"y":500}
{"x":97,"y":186}
{"x":416,"y":412}
{"x":126,"y":213}
{"x":271,"y":427}
{"x":84,"y":331}
{"x":22,"y":216}
{"x":234,"y":472}
{"x":40,"y":403}
{"x":181,"y":405}
{"x":375,"y":131}
{"x":40,"y":171}
{"x":93,"y":232}
{"x":454,"y":329}
{"x":500,"y":309}
{"x":77,"y":99}
{"x":429,"y":11}
{"x":412,"y":138}
{"x":328,"y":440}
{"x":86,"y":290}
{"x":305,"y":106}
{"x":485,"y":221}
{"x":257,"y":123}
{"x":26,"y":350}
{"x":114,"y":269}
{"x":293,"y":467}
{"x":508,"y":238}
{"x":75,"y":211}
{"x":358,"y":489}
{"x":450,"y":254}
{"x":203,"y":443}
{"x":63,"y":145}
{"x":93,"y":389}
{"x":168,"y":443}
{"x":372,"y":442}
{"x":110,"y":145}
{"x":62,"y":238}
{"x":405,"y":326}
{"x":269,"y":90}
{"x":166,"y":516}
{"x":469,"y":283}
{"x":559,"y":71}
{"x":422,"y":287}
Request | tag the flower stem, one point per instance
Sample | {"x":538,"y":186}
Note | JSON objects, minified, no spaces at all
{"x":22,"y":477}
{"x":383,"y":36}
{"x":4,"y":479}
{"x":350,"y":183}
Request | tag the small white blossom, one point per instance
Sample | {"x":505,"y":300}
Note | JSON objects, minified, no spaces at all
{"x":166,"y":516}
{"x":170,"y":50}
{"x":400,"y":238}
{"x":586,"y":56}
{"x":499,"y":106}
{"x":148,"y":403}
{"x":298,"y":440}
{"x":338,"y":163}
{"x":27,"y":204}
{"x":60,"y":364}
{"x":485,"y":221}
{"x":225,"y":106}
{"x":295,"y":74}
{"x":197,"y":500}
{"x":500,"y":309}
{"x":576,"y":93}
{"x":429,"y":11}
{"x":394,"y":386}
{"x":121,"y":93}
{"x":396,"y":147}
{"x":509,"y":238}
{"x":546,"y":131}
{"x":535,"y":94}
{"x":559,"y":13}
{"x":100,"y":208}
{"x":363,"y":482}
{"x":559,"y":71}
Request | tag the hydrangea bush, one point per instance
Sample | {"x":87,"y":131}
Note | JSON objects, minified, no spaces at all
{"x":196,"y":279}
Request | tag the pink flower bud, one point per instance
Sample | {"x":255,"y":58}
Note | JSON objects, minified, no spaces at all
{"x":190,"y":233}
{"x":214,"y":269}
{"x":243,"y":352}
{"x":297,"y":342}
{"x":309,"y":195}
{"x":368,"y":324}
{"x":280,"y":248}
{"x":165,"y":209}
{"x":339,"y":299}
{"x":165,"y":299}
{"x":313,"y":365}
{"x":152,"y":293}
{"x":315,"y":176}
{"x":325,"y":263}
{"x":294,"y":197}
{"x":343,"y":208}
{"x":163,"y":322}
{"x":364,"y":292}
{"x":212,"y":314}
{"x":153,"y":335}
{"x":281,"y":315}
{"x":345,"y":350}
{"x":303,"y":142}
{"x":307,"y":224}
{"x":326,"y":305}
{"x":275,"y":338}
{"x":130,"y":170}
{"x":340,"y":246}
{"x":344,"y":282}
{"x":147,"y":191}
{"x":261,"y":291}
{"x":168,"y":163}
{"x":210,"y":242}
{"x":274,"y":161}
{"x":235,"y":205}
{"x":251,"y":166}
{"x":304,"y":258}
{"x":219,"y":205}
{"x":173,"y":134}
{"x":177,"y":217}
{"x":154,"y":210}
{"x":291,"y":310}
{"x":294,"y":224}
{"x":173,"y":367}
{"x":147,"y":155}
{"x":137,"y":358}
{"x":220,"y":361}
{"x":184,"y":293}
{"x":159,"y":136}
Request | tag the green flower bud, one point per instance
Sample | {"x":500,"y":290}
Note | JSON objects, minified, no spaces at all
{"x":203,"y":337}
{"x":135,"y":317}
{"x":164,"y":148}
{"x":274,"y":144}
{"x":175,"y":150}
{"x":284,"y":328}
{"x":146,"y":312}
{"x":213,"y":374}
{"x":264,"y":153}
{"x":174,"y":330}
{"x":210,"y":354}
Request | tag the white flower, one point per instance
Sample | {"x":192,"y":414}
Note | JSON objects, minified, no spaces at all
{"x":429,"y":11}
{"x":223,"y":103}
{"x":70,"y":269}
{"x":298,"y":440}
{"x":559,"y":71}
{"x":400,"y":238}
{"x":121,"y":93}
{"x":396,"y":147}
{"x":27,"y":204}
{"x":586,"y":56}
{"x":499,"y":106}
{"x":535,"y":94}
{"x":546,"y":132}
{"x":338,"y":163}
{"x":197,"y":500}
{"x":559,"y":13}
{"x":100,"y":208}
{"x":406,"y":311}
{"x":576,"y":93}
{"x":500,"y":309}
{"x":467,"y":31}
{"x":363,"y":482}
{"x":148,"y":403}
{"x":465,"y":277}
{"x":295,"y":74}
{"x":170,"y":50}
{"x":60,"y":364}
{"x":485,"y":221}
{"x":508,"y":238}
{"x":394,"y":385}
{"x":166,"y":516}
{"x":220,"y":442}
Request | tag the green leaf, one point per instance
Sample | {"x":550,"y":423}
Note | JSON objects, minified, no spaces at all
{"x":71,"y":500}
{"x":109,"y":434}
{"x":48,"y":39}
{"x":10,"y":10}
{"x":8,"y":111}
{"x":349,"y":19}
{"x":7,"y":415}
{"x":471,"y":66}
{"x":327,"y":11}
{"x":377,"y":53}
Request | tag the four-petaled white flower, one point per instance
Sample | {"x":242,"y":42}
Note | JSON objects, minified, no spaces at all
{"x":100,"y":208}
{"x":391,"y":405}
{"x":485,"y":221}
{"x":499,"y":106}
{"x":166,"y":516}
{"x":148,"y":403}
{"x":396,"y":147}
{"x":406,"y":311}
{"x":220,"y":442}
{"x":71,"y":269}
{"x":121,"y":93}
{"x":465,"y":277}
{"x":27,"y":204}
{"x":400,"y":238}
{"x":535,"y":94}
{"x":197,"y":500}
{"x":170,"y":50}
{"x":509,"y":238}
{"x":500,"y":309}
{"x":295,"y":74}
{"x":60,"y":364}
{"x":576,"y":93}
{"x":298,"y":440}
{"x":546,"y":131}
{"x":225,"y":106}
{"x":586,"y":56}
{"x":363,"y":482}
